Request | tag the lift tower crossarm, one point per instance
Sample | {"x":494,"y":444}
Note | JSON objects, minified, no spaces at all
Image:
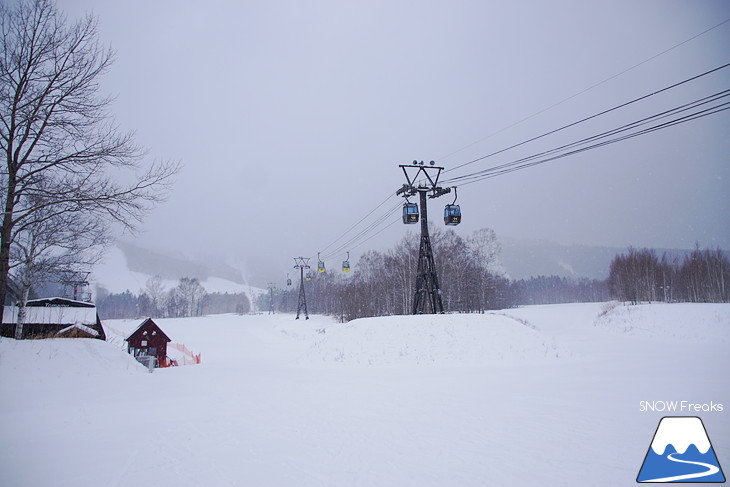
{"x":421,"y":169}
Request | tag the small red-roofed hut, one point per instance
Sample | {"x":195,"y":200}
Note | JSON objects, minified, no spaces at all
{"x":149,"y":340}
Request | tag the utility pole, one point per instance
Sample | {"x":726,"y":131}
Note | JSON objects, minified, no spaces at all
{"x":427,"y":294}
{"x":301,"y":263}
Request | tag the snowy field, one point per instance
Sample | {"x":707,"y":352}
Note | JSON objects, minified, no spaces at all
{"x":543,"y":395}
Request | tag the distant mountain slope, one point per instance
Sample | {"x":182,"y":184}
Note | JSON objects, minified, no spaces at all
{"x":128,"y":267}
{"x":166,"y":266}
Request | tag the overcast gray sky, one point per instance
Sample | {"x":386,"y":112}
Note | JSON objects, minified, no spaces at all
{"x":292,"y":117}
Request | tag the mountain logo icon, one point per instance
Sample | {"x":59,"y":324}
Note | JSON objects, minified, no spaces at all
{"x":681,"y":452}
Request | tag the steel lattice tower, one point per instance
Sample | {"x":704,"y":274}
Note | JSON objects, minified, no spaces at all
{"x":427,"y":294}
{"x":302,"y":263}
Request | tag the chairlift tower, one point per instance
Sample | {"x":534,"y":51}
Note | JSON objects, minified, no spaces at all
{"x":78,"y":281}
{"x":302,"y":263}
{"x":423,"y":180}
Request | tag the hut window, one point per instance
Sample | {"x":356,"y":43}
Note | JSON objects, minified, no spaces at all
{"x":154,"y":333}
{"x":144,"y":343}
{"x":144,"y":333}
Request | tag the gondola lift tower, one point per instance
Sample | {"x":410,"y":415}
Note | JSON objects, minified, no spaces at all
{"x":423,"y":180}
{"x":302,"y":263}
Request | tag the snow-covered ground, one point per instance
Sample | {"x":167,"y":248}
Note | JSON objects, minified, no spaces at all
{"x":543,"y":395}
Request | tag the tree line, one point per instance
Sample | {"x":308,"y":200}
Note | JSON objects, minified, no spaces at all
{"x":188,"y":298}
{"x":470,"y":276}
{"x":701,"y":276}
{"x":471,"y":279}
{"x":557,"y":289}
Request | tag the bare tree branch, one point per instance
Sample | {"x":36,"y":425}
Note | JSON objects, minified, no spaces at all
{"x":63,"y":154}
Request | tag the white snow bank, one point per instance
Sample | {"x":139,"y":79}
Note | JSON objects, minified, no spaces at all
{"x":452,"y":339}
{"x":272,"y":405}
{"x":694,"y":322}
{"x":56,"y":358}
{"x":59,"y":314}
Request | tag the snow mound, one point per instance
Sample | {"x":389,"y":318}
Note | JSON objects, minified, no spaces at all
{"x":693,"y":322}
{"x":463,"y":340}
{"x":55,"y":358}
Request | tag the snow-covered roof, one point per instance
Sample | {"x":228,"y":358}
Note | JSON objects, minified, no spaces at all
{"x":77,"y":326}
{"x":148,"y":320}
{"x":59,"y":301}
{"x":53,"y":315}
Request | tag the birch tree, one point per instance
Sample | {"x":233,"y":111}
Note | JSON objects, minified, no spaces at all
{"x":49,"y":246}
{"x":62,"y":152}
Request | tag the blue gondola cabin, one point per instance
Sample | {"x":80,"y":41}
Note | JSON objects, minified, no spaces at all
{"x":410,"y":213}
{"x":452,"y":215}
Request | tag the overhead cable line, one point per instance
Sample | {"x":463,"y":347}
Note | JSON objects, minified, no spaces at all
{"x":530,"y":161}
{"x":398,"y":219}
{"x":623,"y":128}
{"x":357,"y":223}
{"x":360,"y":236}
{"x":591,"y":117}
{"x":365,"y":234}
{"x":540,"y":112}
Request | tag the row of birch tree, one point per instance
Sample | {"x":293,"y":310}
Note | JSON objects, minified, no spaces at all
{"x":700,"y":276}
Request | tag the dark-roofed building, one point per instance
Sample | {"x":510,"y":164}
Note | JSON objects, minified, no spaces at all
{"x":148,"y":340}
{"x":54,"y":317}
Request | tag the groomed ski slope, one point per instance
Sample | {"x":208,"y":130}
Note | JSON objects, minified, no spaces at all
{"x":543,"y":395}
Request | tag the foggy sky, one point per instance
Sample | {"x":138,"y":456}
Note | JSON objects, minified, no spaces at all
{"x":292,"y":117}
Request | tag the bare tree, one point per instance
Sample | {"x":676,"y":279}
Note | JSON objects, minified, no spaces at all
{"x":186,"y":299}
{"x":48,"y":246}
{"x":155,"y":289}
{"x":63,"y":153}
{"x":704,"y":276}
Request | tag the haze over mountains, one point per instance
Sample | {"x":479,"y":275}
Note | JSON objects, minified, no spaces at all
{"x":127,"y":266}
